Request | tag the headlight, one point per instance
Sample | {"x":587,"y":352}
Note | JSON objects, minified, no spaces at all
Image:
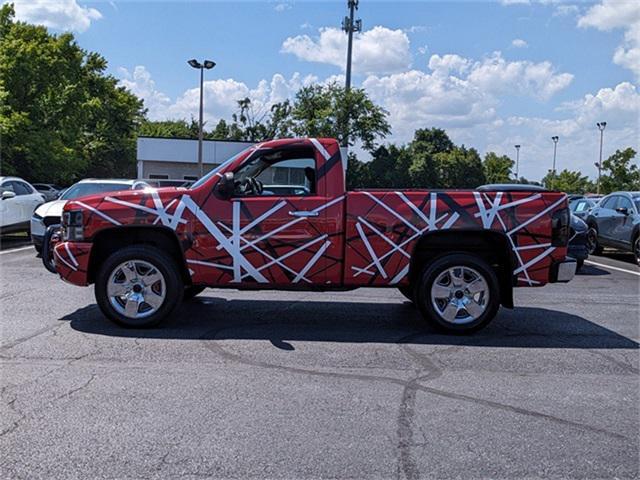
{"x":36,"y":217}
{"x":72,"y":225}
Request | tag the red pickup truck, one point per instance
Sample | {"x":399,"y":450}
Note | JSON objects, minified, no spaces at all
{"x":277,"y":216}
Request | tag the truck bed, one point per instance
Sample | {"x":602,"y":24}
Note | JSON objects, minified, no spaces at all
{"x":383,"y":226}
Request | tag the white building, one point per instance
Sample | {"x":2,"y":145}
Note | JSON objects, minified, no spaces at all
{"x":177,"y":158}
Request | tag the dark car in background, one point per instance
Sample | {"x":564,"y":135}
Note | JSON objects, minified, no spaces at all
{"x":49,"y":191}
{"x":581,"y":207}
{"x":578,"y":241}
{"x":615,"y":223}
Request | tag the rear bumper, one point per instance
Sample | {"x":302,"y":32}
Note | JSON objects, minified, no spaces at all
{"x":563,"y":271}
{"x":72,"y":262}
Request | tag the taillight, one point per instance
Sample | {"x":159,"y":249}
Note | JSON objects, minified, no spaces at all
{"x":560,"y":228}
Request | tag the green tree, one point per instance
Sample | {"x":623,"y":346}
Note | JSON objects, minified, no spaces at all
{"x":568,"y":181}
{"x":62,"y":117}
{"x":320,"y":111}
{"x":426,"y":144}
{"x":497,"y":169}
{"x":169,"y":128}
{"x":621,"y":172}
{"x":459,"y":168}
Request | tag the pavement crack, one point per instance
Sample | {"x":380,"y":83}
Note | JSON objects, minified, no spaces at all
{"x":77,"y":389}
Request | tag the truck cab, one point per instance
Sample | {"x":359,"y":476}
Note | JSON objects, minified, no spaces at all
{"x":277,"y":216}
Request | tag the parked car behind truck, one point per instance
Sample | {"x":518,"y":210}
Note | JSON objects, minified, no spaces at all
{"x":615,"y":223}
{"x":50,"y":213}
{"x":18,"y":201}
{"x":457,"y":254}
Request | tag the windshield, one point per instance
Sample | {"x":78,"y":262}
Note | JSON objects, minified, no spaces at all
{"x":637,"y":202}
{"x":206,"y":178}
{"x":82,"y":189}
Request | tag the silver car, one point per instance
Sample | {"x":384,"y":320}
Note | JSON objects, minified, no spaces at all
{"x":615,"y":222}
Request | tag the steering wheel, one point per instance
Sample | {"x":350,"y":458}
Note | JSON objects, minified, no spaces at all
{"x":256,"y":185}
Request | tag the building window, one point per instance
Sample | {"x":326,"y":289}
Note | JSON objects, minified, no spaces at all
{"x":190,"y":177}
{"x":155,"y":176}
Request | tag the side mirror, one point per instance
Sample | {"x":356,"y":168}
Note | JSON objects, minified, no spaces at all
{"x":623,"y":210}
{"x":7,"y":194}
{"x":225,"y":186}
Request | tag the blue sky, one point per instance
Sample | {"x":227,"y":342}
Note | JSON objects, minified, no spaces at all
{"x":491,"y":73}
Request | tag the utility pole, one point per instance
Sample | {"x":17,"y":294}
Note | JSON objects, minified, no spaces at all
{"x":517,"y":161}
{"x":208,"y":64}
{"x":601,"y":126}
{"x":349,"y":25}
{"x":553,"y":170}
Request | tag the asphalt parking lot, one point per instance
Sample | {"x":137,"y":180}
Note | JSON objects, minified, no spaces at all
{"x":301,"y":385}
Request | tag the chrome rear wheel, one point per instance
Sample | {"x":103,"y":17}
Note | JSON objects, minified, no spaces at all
{"x":460,"y":295}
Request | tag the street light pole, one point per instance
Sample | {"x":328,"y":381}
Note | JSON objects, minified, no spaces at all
{"x":349,"y":26}
{"x":517,"y":161}
{"x":553,"y":171}
{"x":208,"y":64}
{"x":601,"y":126}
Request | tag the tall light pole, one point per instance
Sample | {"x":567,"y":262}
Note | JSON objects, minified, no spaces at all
{"x":517,"y":161}
{"x":553,"y":170}
{"x":601,"y":126}
{"x":208,"y":64}
{"x":350,"y":26}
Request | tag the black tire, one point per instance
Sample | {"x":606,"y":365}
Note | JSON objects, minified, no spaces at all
{"x":162,"y":262}
{"x":407,"y":291}
{"x":636,"y":249}
{"x":430,"y":274}
{"x":579,"y":264}
{"x":593,"y":245}
{"x":192,"y":291}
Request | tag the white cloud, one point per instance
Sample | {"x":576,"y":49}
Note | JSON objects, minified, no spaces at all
{"x":58,"y":14}
{"x":618,"y":14}
{"x":220,"y":95}
{"x":579,"y":138}
{"x":141,"y":84}
{"x":281,"y":7}
{"x":565,"y":10}
{"x":379,"y":50}
{"x":495,"y":74}
{"x":519,"y":43}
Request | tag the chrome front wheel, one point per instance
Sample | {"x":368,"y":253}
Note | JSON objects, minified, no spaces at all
{"x":136,"y":289}
{"x":139,"y":286}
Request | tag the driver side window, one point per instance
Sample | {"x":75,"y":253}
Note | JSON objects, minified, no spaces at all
{"x":269,"y":176}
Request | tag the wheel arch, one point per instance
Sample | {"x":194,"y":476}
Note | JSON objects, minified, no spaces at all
{"x":494,"y":247}
{"x":109,"y":240}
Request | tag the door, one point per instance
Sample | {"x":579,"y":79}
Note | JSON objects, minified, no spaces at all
{"x":622,"y":223}
{"x":28,"y":199}
{"x":9,"y":208}
{"x":274,"y":222}
{"x":605,"y":218}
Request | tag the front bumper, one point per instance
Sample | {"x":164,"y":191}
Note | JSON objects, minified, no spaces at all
{"x":578,"y":246}
{"x":37,"y":240}
{"x":72,"y":262}
{"x":563,"y":271}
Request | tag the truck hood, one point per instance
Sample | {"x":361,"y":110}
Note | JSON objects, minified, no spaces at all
{"x":51,"y":209}
{"x":125,"y":207}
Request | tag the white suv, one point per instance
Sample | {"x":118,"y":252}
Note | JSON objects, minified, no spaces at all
{"x":19,"y":200}
{"x":50,"y":213}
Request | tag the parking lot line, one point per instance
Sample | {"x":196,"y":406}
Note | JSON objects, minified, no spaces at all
{"x":11,"y":250}
{"x":612,"y":268}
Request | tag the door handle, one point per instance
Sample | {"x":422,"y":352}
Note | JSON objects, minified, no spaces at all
{"x":304,"y":214}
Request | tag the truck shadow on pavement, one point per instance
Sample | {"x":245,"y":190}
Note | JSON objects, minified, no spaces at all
{"x":282,"y":322}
